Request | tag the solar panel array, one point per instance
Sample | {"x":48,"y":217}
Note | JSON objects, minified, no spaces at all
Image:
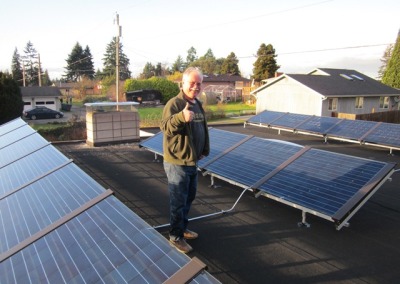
{"x":330,"y":185}
{"x":58,"y":225}
{"x":360,"y":131}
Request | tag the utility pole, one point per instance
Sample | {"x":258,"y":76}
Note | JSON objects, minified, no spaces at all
{"x":117,"y":58}
{"x":40,"y":75}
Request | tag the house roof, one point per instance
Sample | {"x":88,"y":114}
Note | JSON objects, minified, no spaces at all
{"x":223,"y":78}
{"x":338,"y":83}
{"x":40,"y":92}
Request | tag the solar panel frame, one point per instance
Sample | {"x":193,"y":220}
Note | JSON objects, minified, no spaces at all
{"x":265,"y":117}
{"x":387,"y":134}
{"x":304,"y":182}
{"x":119,"y":247}
{"x":351,"y":129}
{"x":289,"y":120}
{"x":318,"y":124}
{"x":154,"y":143}
{"x":245,"y":166}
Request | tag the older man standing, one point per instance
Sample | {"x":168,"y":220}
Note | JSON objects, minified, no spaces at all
{"x":186,"y":141}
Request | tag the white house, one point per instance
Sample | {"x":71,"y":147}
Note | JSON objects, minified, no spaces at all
{"x":41,"y":96}
{"x":326,"y":92}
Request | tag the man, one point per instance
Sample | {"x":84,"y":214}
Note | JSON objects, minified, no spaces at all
{"x":186,"y":140}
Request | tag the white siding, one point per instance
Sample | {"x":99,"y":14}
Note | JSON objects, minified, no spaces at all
{"x":287,"y":95}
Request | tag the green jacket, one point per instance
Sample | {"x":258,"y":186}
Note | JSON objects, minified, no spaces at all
{"x":177,"y":140}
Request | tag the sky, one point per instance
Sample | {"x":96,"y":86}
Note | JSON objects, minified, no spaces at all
{"x":306,"y":34}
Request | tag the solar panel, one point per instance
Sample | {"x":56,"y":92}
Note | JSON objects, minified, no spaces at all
{"x":107,"y":243}
{"x":154,"y":143}
{"x":318,"y":124}
{"x":351,"y":129}
{"x":29,"y":167}
{"x":265,"y":117}
{"x":57,"y":224}
{"x":10,"y":137}
{"x":289,"y":120}
{"x":252,"y":160}
{"x":328,"y":183}
{"x":385,"y":134}
{"x":11,"y":125}
{"x":220,"y":141}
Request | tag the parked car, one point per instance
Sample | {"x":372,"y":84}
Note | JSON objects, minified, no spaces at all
{"x":42,"y":113}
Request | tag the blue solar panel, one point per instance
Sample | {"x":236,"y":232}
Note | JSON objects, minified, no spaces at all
{"x":289,"y":120}
{"x":220,"y":141}
{"x":15,"y":135}
{"x":154,"y":143}
{"x":252,"y":160}
{"x":107,"y":243}
{"x":385,"y":134}
{"x":318,"y":124}
{"x":351,"y":129}
{"x":59,"y":225}
{"x":265,"y":117}
{"x":324,"y":182}
{"x":11,"y":125}
{"x":29,"y":167}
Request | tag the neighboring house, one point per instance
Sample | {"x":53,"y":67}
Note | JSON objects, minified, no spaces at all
{"x":41,"y":96}
{"x":226,"y":87}
{"x":326,"y":92}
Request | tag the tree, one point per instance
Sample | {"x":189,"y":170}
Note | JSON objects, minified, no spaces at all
{"x":265,"y":65}
{"x":148,"y":71}
{"x":391,"y":77}
{"x":385,"y":59}
{"x":109,"y":61}
{"x":16,"y":68}
{"x":31,"y":65}
{"x":230,"y":65}
{"x":207,"y":63}
{"x":178,"y":65}
{"x":79,"y":64}
{"x":191,"y":57}
{"x":11,"y":103}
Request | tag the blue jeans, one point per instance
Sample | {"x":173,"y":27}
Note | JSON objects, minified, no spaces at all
{"x":182,"y":186}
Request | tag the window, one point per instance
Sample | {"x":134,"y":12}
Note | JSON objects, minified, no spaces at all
{"x":332,"y":104}
{"x":50,"y":103}
{"x":384,"y":102}
{"x":359,"y":102}
{"x":39,"y":103}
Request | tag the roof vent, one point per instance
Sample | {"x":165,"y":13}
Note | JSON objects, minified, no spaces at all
{"x":347,"y":77}
{"x":357,"y":77}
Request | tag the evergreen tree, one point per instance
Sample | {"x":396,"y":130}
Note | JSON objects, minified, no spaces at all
{"x":385,"y":59}
{"x":11,"y":104}
{"x":88,"y":63}
{"x":148,"y":71}
{"x":207,"y":63}
{"x":75,"y":64}
{"x":230,"y":65}
{"x":109,"y":61}
{"x":391,"y":77}
{"x":31,"y":63}
{"x":16,"y":68}
{"x":265,"y":65}
{"x":178,"y":65}
{"x":191,"y":57}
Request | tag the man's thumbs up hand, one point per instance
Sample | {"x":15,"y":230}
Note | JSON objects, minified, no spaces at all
{"x":187,"y":113}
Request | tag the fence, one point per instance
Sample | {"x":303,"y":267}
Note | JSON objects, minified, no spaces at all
{"x":392,"y":116}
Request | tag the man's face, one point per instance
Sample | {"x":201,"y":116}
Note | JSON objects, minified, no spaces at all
{"x":191,"y":85}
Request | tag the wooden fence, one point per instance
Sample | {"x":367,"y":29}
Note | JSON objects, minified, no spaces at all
{"x":392,"y":116}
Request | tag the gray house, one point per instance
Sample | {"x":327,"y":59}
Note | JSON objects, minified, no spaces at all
{"x":41,"y":96}
{"x":326,"y":92}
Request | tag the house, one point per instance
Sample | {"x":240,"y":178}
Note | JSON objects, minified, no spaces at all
{"x":326,"y":92}
{"x":226,"y":87}
{"x":41,"y":96}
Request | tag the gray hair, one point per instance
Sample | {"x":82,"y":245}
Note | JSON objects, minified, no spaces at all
{"x":190,"y":70}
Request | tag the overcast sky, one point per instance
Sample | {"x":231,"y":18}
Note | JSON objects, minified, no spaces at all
{"x":306,"y":34}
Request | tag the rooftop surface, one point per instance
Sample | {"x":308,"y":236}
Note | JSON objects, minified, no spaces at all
{"x":259,"y":240}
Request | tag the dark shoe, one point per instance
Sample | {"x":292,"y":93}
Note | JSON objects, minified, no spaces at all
{"x":190,"y":235}
{"x":181,"y":245}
